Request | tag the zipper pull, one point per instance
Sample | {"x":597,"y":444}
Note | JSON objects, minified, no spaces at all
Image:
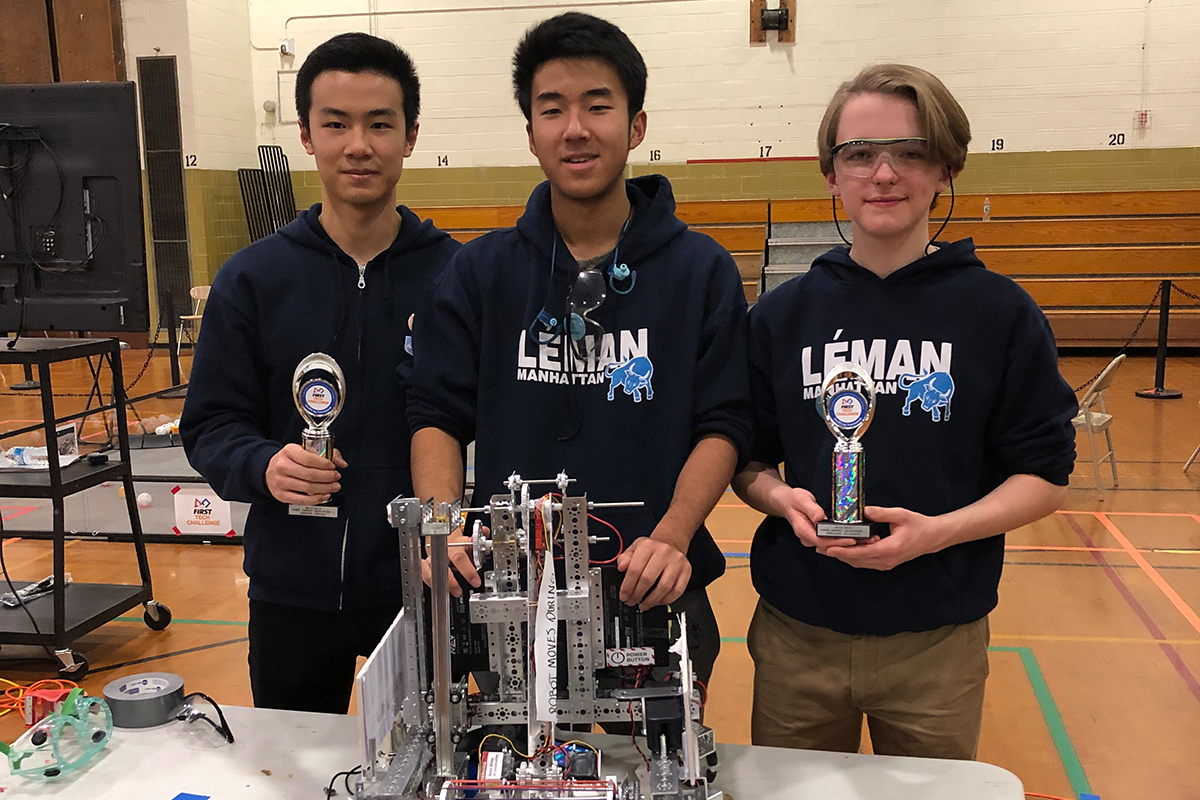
{"x":362,"y":276}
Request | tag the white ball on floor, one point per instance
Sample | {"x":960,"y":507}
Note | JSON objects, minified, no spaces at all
{"x":144,"y":500}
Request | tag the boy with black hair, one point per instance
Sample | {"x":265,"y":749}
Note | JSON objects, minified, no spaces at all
{"x":599,"y":336}
{"x":341,"y":279}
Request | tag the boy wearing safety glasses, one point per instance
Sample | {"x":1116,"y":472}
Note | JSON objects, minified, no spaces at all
{"x":971,"y":437}
{"x":599,"y":336}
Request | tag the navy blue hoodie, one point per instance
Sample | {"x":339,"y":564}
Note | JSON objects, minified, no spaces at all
{"x":969,"y":394}
{"x":286,"y":296}
{"x":623,"y":420}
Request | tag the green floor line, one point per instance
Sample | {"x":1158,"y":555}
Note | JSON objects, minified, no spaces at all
{"x":232,"y":622}
{"x":1054,"y":721}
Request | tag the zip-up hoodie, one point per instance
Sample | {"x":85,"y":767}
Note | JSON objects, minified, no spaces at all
{"x":968,"y":394}
{"x":670,"y":369}
{"x":273,"y":303}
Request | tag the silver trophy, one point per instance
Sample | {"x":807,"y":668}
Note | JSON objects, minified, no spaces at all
{"x":319,"y":389}
{"x":847,"y":403}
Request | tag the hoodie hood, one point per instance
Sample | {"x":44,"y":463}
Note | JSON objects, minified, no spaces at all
{"x":840,"y":267}
{"x":306,"y":230}
{"x":414,"y":234}
{"x":652,"y":226}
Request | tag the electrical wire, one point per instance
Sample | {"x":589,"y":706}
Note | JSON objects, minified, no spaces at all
{"x":620,"y":540}
{"x":1046,"y":796}
{"x":633,"y":737}
{"x":479,"y":754}
{"x":13,"y":698}
{"x":18,"y":182}
{"x":613,"y":528}
{"x":21,"y":600}
{"x":330,"y":791}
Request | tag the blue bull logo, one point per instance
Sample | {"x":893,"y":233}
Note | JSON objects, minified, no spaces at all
{"x":632,"y":375}
{"x":934,"y":390}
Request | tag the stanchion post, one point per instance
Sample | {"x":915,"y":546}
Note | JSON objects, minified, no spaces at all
{"x":1160,"y":367}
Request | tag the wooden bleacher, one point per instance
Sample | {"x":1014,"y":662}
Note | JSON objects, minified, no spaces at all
{"x":1092,"y":260}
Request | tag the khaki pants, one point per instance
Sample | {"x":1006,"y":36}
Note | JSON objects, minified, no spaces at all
{"x":922,"y":692}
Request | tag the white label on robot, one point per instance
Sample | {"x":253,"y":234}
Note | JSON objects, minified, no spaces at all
{"x":325,"y":512}
{"x":493,"y":769}
{"x":629,"y":656}
{"x":545,"y":645}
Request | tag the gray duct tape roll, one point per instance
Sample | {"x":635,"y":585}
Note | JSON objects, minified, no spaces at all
{"x":142,"y":701}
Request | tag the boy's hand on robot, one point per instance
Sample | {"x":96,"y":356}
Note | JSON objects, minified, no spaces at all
{"x":460,"y":560}
{"x":656,"y":573}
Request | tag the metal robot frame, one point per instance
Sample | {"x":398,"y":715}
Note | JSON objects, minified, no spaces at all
{"x":434,"y":713}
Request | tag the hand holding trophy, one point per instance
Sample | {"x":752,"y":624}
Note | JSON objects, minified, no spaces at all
{"x":847,"y":403}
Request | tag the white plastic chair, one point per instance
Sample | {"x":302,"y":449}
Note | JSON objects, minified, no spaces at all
{"x":1093,"y":419}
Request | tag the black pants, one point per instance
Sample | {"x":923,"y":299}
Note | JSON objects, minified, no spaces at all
{"x":304,"y":660}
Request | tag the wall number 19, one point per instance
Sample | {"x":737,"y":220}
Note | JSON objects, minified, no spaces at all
{"x":997,"y":144}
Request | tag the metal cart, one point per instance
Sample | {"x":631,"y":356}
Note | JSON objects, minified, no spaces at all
{"x":77,"y":608}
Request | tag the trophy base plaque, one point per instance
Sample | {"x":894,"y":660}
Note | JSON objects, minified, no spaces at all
{"x":844,"y":530}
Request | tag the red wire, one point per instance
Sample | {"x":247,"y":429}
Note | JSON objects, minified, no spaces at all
{"x":1046,"y":796}
{"x":633,"y":736}
{"x":620,"y":539}
{"x":704,"y":699}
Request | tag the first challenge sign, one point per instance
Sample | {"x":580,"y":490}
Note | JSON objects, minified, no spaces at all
{"x":201,"y":511}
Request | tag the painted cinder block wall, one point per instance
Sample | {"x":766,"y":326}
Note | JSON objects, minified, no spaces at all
{"x":1052,"y":89}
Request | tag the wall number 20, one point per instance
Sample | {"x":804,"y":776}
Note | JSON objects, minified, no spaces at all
{"x":1116,"y":139}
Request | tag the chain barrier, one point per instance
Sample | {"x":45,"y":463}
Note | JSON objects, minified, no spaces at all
{"x":1177,"y":288}
{"x":1129,"y":341}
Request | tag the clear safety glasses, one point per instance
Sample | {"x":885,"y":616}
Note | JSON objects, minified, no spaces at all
{"x":860,"y":158}
{"x":587,"y":294}
{"x":198,"y":706}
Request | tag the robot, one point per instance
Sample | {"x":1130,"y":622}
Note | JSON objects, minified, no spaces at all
{"x":548,"y":643}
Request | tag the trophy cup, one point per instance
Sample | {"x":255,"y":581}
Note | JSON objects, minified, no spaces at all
{"x":847,"y":404}
{"x":319,"y":389}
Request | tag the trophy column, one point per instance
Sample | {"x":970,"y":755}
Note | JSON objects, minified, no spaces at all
{"x":847,"y":406}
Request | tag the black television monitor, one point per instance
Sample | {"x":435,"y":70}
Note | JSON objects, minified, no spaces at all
{"x":72,"y":252}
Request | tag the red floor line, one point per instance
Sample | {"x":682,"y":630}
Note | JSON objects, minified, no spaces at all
{"x":1158,"y":580}
{"x":1168,"y":649}
{"x":19,"y":509}
{"x":1132,"y":513}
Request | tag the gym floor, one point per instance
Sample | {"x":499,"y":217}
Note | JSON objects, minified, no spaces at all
{"x":1095,"y":653}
